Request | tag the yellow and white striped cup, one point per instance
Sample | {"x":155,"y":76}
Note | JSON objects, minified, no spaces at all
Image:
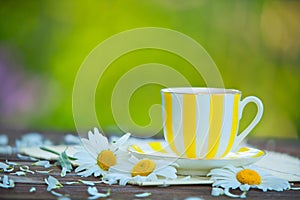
{"x":203,"y":122}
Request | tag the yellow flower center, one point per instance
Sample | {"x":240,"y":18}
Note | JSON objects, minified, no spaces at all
{"x":143,"y":168}
{"x":248,"y":176}
{"x":106,"y":159}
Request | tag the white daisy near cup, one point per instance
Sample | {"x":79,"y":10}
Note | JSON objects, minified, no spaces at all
{"x":244,"y":178}
{"x":140,"y":170}
{"x":96,"y":155}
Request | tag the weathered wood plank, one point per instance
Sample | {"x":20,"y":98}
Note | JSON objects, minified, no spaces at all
{"x":79,"y":191}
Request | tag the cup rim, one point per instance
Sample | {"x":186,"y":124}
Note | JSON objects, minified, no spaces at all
{"x":199,"y":90}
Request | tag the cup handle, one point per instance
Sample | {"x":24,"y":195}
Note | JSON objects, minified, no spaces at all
{"x":260,"y":108}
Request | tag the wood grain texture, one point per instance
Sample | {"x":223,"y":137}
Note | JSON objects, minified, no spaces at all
{"x":79,"y":191}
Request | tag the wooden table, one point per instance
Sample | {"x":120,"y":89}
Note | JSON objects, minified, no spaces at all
{"x":79,"y":191}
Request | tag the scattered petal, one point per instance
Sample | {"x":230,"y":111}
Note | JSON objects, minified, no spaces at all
{"x":193,"y":198}
{"x":43,"y":172}
{"x":95,"y":194}
{"x":12,"y":163}
{"x":19,"y":173}
{"x":3,"y":165}
{"x":90,"y":183}
{"x":145,"y":194}
{"x":44,"y":163}
{"x":217,"y":191}
{"x":25,"y":168}
{"x":6,"y":168}
{"x":7,"y":183}
{"x":71,"y":182}
{"x":63,"y":198}
{"x":32,"y":189}
{"x":52,"y":183}
{"x":56,"y":193}
{"x":295,"y":188}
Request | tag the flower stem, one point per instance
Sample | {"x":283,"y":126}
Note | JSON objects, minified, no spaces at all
{"x":55,"y":152}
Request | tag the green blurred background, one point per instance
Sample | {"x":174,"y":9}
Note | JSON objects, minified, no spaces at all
{"x":255,"y":45}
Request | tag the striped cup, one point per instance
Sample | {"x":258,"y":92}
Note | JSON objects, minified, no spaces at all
{"x":203,"y":122}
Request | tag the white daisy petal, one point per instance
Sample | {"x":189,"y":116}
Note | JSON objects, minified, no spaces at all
{"x":43,"y":172}
{"x":152,"y":177}
{"x":19,"y":173}
{"x":227,"y":184}
{"x":87,"y":145}
{"x":233,"y":169}
{"x":25,"y":168}
{"x":124,"y":167}
{"x":276,"y":184}
{"x":168,"y":172}
{"x":98,"y":172}
{"x":90,"y":171}
{"x":52,"y":183}
{"x":145,"y":194}
{"x":217,"y":191}
{"x":71,"y":182}
{"x":133,"y":160}
{"x":90,"y":183}
{"x":83,"y":167}
{"x":56,"y":193}
{"x":98,"y":142}
{"x":245,"y":187}
{"x":84,"y":156}
{"x":124,"y":181}
{"x":221,"y":172}
{"x":193,"y":198}
{"x":6,"y":182}
{"x":295,"y":188}
{"x":11,"y":163}
{"x":95,"y":194}
{"x":32,"y":189}
{"x":3,"y":166}
{"x":140,"y":178}
{"x":121,"y":141}
{"x":44,"y":163}
{"x":228,"y":193}
{"x":113,"y":178}
{"x":92,"y":190}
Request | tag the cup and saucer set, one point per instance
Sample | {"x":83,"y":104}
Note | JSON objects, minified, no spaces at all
{"x":201,"y":130}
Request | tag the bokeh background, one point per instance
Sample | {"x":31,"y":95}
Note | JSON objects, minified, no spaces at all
{"x":255,"y":45}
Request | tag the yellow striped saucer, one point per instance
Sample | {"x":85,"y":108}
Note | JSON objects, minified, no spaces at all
{"x":159,"y":149}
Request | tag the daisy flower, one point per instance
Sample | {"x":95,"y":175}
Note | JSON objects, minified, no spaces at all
{"x":96,"y":155}
{"x":244,"y":178}
{"x":137,"y":170}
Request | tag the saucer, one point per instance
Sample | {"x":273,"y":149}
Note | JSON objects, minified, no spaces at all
{"x":189,"y":166}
